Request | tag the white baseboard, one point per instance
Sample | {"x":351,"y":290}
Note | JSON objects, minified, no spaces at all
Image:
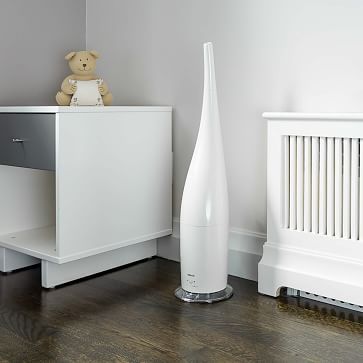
{"x":245,"y":250}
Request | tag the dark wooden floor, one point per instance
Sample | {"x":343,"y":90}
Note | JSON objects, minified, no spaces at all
{"x":131,"y":315}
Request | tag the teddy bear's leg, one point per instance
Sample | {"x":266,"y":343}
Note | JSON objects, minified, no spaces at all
{"x":107,"y":99}
{"x":63,"y":99}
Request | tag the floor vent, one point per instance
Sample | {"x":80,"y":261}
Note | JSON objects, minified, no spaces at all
{"x":323,"y":299}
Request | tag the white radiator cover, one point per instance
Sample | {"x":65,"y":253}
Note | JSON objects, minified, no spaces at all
{"x":314,"y":206}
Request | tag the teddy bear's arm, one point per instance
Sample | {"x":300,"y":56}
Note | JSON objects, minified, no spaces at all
{"x":103,"y":88}
{"x":67,"y":87}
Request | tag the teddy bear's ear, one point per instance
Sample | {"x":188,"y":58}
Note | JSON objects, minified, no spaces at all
{"x":70,"y":55}
{"x":95,"y":53}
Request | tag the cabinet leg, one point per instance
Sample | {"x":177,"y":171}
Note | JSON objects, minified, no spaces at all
{"x":54,"y":274}
{"x":12,"y":260}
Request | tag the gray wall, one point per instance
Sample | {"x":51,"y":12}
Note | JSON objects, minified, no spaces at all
{"x":34,"y":37}
{"x":281,"y":55}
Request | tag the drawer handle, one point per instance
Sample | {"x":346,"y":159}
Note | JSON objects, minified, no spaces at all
{"x":18,"y":140}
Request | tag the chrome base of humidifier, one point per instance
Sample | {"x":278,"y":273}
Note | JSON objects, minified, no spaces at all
{"x":194,"y":297}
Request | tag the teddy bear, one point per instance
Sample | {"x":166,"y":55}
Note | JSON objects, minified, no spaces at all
{"x":83,"y":65}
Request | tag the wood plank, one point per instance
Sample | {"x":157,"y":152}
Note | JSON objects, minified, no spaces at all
{"x":131,"y":314}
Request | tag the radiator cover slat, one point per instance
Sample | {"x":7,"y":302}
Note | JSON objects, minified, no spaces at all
{"x":323,"y":186}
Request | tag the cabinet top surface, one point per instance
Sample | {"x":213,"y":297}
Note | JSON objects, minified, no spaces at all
{"x":82,"y":109}
{"x":300,"y":116}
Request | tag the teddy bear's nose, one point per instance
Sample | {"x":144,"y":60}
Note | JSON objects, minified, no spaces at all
{"x":84,"y":65}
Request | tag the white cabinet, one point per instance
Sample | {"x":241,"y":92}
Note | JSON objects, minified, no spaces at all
{"x":83,"y":189}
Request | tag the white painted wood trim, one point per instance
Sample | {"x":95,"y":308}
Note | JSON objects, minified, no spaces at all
{"x":322,"y":187}
{"x":300,"y":183}
{"x":355,"y":190}
{"x":361,"y":190}
{"x":293,"y":183}
{"x":346,"y":187}
{"x":286,"y":210}
{"x":245,"y":250}
{"x":340,"y":279}
{"x":338,"y":184}
{"x":307,"y":184}
{"x":330,"y":190}
{"x":315,"y":185}
{"x":299,"y":116}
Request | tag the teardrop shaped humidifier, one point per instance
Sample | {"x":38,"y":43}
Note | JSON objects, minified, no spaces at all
{"x":204,"y":217}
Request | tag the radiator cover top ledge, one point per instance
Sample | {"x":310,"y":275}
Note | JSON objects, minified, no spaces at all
{"x":314,"y":205}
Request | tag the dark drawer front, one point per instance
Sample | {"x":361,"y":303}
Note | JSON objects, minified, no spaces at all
{"x":27,"y":140}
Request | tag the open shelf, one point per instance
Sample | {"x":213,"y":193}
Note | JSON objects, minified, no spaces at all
{"x":39,"y":242}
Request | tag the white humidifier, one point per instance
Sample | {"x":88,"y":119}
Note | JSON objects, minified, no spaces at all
{"x":204,"y":217}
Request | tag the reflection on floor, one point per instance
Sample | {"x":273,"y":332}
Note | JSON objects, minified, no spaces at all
{"x":131,"y":314}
